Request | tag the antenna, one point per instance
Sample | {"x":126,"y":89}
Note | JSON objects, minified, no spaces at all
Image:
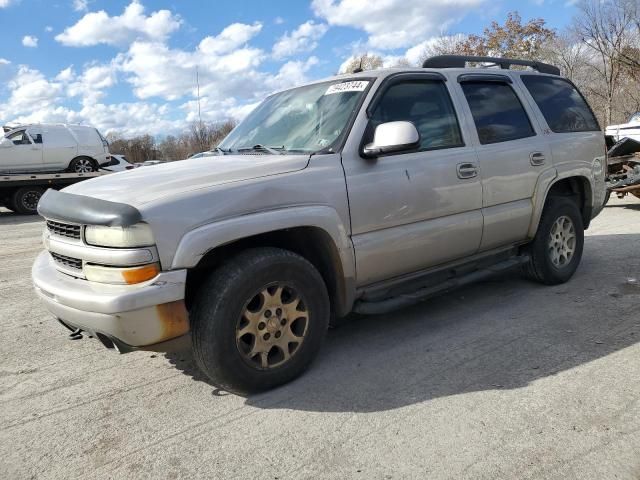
{"x":198,"y":87}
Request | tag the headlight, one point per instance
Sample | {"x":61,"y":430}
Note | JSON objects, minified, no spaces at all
{"x":138,"y":235}
{"x":119,"y":275}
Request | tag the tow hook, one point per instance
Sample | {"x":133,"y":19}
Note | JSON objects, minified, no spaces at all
{"x":76,"y":334}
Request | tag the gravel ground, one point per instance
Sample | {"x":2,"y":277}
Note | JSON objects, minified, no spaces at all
{"x":503,"y":379}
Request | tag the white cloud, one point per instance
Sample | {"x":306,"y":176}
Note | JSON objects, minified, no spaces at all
{"x":163,"y":80}
{"x":302,"y":39}
{"x":226,"y":65}
{"x":5,"y":3}
{"x":98,"y":27}
{"x":48,"y":28}
{"x":232,"y":37}
{"x":80,"y":5}
{"x":394,"y":23}
{"x":4,"y":61}
{"x":30,"y":91}
{"x":278,"y":20}
{"x":30,"y":41}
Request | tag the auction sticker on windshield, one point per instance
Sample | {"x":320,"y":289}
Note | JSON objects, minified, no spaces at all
{"x":358,"y":86}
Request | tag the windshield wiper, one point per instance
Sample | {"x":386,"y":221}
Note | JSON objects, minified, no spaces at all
{"x":261,"y":148}
{"x":220,"y":150}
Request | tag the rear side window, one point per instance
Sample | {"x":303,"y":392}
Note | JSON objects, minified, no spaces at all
{"x":562,"y":106}
{"x":497,"y":112}
{"x":425,"y":103}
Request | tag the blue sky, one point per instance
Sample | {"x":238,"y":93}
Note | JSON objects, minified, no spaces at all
{"x":128,"y":66}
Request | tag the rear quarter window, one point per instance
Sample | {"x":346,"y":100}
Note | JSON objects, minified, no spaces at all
{"x":561,"y":104}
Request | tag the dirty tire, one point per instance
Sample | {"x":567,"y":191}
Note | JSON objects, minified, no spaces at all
{"x":25,"y":200}
{"x":218,"y":308}
{"x":541,"y":265}
{"x":83,"y":165}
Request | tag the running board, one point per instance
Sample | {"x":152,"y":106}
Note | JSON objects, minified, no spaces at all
{"x":404,"y":300}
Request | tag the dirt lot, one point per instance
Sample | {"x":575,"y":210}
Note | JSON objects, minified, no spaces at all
{"x":504,"y":379}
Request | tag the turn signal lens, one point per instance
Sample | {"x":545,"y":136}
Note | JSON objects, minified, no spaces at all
{"x":121,"y":276}
{"x":141,"y":274}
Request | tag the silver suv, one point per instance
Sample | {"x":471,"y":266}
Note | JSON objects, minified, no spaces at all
{"x":363,"y":192}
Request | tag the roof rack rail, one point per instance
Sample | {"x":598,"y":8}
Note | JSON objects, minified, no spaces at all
{"x":460,"y":61}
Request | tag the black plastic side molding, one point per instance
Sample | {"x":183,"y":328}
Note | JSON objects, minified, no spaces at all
{"x":86,"y":210}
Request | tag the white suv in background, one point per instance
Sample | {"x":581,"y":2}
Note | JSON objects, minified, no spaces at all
{"x":52,"y":148}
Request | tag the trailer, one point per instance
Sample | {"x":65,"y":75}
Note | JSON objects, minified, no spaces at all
{"x":20,"y":192}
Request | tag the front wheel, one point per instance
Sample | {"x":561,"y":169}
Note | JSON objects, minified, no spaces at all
{"x":259,"y":320}
{"x":556,"y":250}
{"x":83,"y":165}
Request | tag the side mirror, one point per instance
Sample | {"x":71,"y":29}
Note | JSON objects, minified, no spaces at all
{"x":392,"y":137}
{"x":5,"y":143}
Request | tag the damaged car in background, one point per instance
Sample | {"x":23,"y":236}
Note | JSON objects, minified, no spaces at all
{"x":623,"y":168}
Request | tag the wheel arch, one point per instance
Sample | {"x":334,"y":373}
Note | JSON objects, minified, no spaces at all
{"x":577,"y":186}
{"x":320,"y":240}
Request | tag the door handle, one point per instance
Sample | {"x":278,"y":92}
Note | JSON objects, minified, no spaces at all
{"x":466,"y":170}
{"x":537,"y":158}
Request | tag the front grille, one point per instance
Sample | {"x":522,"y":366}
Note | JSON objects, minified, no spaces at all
{"x":64,"y":229}
{"x":68,"y":262}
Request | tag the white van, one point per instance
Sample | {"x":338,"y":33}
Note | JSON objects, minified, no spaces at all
{"x":53,"y":148}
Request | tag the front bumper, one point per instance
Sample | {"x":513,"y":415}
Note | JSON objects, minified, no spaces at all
{"x":128,"y":316}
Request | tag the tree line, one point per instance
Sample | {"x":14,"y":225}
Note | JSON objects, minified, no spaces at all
{"x":599,"y":52}
{"x":200,"y":137}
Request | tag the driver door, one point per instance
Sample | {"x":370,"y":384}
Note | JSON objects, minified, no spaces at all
{"x":416,"y":209}
{"x":24,"y":155}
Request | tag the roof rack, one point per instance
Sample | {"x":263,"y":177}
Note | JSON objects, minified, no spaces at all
{"x":460,"y":61}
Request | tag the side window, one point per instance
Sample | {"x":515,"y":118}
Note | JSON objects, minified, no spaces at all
{"x":19,"y":138}
{"x":35,"y":137}
{"x":427,"y":104}
{"x":562,"y":106}
{"x":497,"y":112}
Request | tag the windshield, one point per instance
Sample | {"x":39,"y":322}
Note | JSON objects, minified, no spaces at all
{"x":305,"y":119}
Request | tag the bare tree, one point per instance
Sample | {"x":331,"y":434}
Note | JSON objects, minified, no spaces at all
{"x":366,"y":61}
{"x":606,"y":27}
{"x":572,"y":56}
{"x":445,"y":44}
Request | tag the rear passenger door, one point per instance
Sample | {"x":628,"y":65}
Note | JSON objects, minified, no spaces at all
{"x":512,"y":153}
{"x":59,"y":147}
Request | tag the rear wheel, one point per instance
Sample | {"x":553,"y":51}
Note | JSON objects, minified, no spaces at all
{"x":259,"y":320}
{"x":556,"y":250}
{"x":83,"y":165}
{"x":25,"y":200}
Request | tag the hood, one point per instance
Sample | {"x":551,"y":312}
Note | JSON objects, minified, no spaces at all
{"x":630,"y":125}
{"x":146,"y":184}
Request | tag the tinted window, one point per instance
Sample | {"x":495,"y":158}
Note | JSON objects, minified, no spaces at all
{"x":427,"y":105}
{"x":498,"y":114}
{"x":561,"y":104}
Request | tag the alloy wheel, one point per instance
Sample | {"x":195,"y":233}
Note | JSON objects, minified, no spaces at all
{"x":83,"y":165}
{"x":562,"y":242}
{"x":272,"y":326}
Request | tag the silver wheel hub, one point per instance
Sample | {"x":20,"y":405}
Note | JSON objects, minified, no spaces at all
{"x":83,"y":165}
{"x":562,"y":242}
